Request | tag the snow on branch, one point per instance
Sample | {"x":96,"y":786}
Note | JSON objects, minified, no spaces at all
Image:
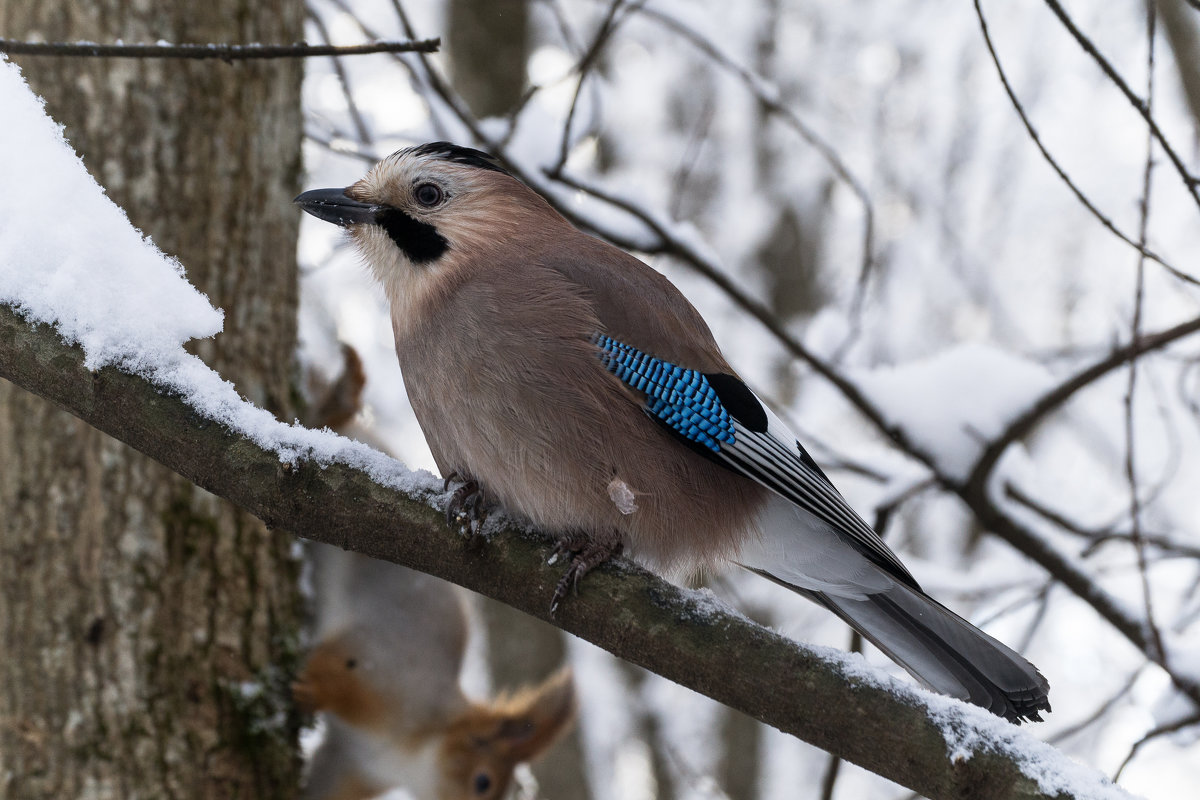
{"x":939,"y":747}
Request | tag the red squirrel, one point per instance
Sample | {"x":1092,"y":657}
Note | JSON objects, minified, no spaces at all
{"x":384,"y":673}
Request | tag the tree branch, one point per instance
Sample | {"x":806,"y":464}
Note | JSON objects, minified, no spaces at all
{"x":1062,"y":173}
{"x":1142,"y":106}
{"x":1022,"y":425}
{"x":878,"y":724}
{"x":224,"y":52}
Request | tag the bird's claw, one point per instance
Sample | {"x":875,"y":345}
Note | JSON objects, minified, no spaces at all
{"x":467,"y":510}
{"x":586,"y":554}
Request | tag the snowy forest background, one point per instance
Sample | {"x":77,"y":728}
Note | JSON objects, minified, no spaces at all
{"x":761,"y":140}
{"x":997,"y":376}
{"x":859,"y":172}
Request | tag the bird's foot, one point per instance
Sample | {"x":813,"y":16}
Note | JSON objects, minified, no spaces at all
{"x":586,"y":554}
{"x":467,"y":510}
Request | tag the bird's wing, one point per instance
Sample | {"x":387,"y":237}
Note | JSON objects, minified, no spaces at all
{"x":660,"y":347}
{"x":718,"y":416}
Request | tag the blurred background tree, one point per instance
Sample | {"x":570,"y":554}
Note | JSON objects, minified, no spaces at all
{"x":148,"y":628}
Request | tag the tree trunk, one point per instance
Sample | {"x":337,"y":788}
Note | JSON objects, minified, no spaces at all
{"x":149,"y":628}
{"x":488,"y":46}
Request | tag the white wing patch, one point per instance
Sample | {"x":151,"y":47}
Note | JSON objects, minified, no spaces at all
{"x":773,"y":458}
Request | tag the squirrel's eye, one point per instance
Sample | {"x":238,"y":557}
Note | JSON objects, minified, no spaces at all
{"x":429,"y":194}
{"x":482,"y":783}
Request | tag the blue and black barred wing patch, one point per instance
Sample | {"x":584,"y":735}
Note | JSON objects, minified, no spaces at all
{"x":682,"y":399}
{"x":720,"y":417}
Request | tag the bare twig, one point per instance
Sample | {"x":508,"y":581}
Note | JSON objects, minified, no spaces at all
{"x":833,"y":766}
{"x":1062,"y":174}
{"x":1161,"y":730}
{"x":342,"y":148}
{"x":1135,"y":508}
{"x":1096,"y":537}
{"x":1054,"y":398}
{"x":222,"y":52}
{"x":356,"y":116}
{"x":770,"y":98}
{"x":1190,"y":182}
{"x":612,"y":20}
{"x":1026,"y":540}
{"x":1100,"y":711}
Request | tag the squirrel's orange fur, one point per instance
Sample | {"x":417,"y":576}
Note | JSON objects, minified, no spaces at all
{"x":384,"y":673}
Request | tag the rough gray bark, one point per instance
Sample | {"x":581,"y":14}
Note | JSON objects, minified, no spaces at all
{"x":135,"y":607}
{"x":619,"y":607}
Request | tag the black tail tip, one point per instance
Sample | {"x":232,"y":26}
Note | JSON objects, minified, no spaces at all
{"x":1023,"y":708}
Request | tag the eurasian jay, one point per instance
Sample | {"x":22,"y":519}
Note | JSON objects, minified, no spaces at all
{"x":578,"y":388}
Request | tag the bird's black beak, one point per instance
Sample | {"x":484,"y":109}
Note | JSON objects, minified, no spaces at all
{"x":332,"y":205}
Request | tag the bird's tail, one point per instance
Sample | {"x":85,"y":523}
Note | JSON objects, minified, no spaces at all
{"x":941,"y":649}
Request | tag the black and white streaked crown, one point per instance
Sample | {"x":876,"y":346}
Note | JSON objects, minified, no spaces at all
{"x":459,"y":155}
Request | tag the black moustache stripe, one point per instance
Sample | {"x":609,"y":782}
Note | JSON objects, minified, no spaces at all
{"x":420,"y":241}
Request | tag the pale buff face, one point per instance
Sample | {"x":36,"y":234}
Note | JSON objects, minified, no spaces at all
{"x":446,"y":216}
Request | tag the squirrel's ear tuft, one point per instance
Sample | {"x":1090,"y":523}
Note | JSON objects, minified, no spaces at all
{"x":535,"y":717}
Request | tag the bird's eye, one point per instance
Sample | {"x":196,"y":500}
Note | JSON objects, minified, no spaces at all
{"x":351,"y":663}
{"x":482,"y":783}
{"x":429,"y":194}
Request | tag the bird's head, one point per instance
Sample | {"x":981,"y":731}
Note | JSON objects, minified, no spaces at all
{"x":431,"y":209}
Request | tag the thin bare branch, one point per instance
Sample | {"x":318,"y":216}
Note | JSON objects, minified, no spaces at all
{"x":356,"y":116}
{"x":770,"y":98}
{"x":1101,"y":710}
{"x":221,"y":52}
{"x":1190,"y":181}
{"x":1160,"y":731}
{"x":1135,"y":507}
{"x":1058,"y":564}
{"x":1096,"y":537}
{"x":608,"y":26}
{"x":1063,"y":392}
{"x":1062,"y":173}
{"x":829,"y":779}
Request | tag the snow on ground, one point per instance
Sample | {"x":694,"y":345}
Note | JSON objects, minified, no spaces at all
{"x":69,"y":257}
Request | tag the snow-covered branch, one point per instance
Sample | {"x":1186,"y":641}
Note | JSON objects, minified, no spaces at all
{"x":936,"y":746}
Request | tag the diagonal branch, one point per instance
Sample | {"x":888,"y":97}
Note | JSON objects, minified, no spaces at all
{"x":829,"y":701}
{"x":1058,"y":169}
{"x":1022,"y":425}
{"x":1190,"y":181}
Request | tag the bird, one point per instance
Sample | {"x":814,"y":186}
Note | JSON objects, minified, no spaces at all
{"x":572,"y":385}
